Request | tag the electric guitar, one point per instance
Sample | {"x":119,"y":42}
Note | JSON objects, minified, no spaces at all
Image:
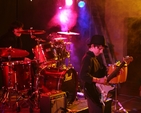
{"x":104,"y":89}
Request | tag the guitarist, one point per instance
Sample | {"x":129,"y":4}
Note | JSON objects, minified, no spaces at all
{"x":92,"y":71}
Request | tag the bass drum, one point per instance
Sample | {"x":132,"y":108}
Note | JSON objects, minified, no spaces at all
{"x":58,"y":79}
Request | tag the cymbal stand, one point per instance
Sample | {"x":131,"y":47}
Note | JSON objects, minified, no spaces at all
{"x":33,"y":91}
{"x":36,"y":93}
{"x":69,"y":49}
{"x":117,"y":105}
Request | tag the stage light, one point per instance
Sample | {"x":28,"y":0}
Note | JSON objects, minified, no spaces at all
{"x":69,"y":2}
{"x":81,"y":3}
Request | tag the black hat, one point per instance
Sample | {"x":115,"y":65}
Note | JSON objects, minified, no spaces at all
{"x":98,"y":40}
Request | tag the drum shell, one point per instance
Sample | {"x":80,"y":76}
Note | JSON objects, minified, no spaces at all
{"x":17,"y":74}
{"x":39,"y":53}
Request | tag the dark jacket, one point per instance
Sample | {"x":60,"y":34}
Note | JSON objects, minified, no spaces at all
{"x":90,"y":68}
{"x":9,"y":39}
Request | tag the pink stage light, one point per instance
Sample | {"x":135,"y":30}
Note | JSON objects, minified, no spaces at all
{"x":64,"y":15}
{"x":69,"y":2}
{"x":67,"y":19}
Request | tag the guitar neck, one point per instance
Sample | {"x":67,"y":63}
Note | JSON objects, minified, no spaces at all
{"x":115,"y":72}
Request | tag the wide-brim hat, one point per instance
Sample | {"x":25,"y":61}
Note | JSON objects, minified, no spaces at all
{"x":98,"y":40}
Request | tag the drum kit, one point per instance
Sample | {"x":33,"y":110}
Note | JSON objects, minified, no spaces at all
{"x":45,"y":73}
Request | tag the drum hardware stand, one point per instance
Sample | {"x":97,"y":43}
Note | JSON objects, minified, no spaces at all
{"x":31,"y":95}
{"x":69,"y":51}
{"x":26,"y":100}
{"x":8,"y":91}
{"x":36,"y":93}
{"x":116,"y":102}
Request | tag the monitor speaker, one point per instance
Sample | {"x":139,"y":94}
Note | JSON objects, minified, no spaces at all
{"x":53,"y":102}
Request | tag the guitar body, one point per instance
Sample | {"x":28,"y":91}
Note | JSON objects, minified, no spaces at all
{"x":103,"y":90}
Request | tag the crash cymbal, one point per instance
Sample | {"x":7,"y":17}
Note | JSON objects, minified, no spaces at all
{"x":68,"y":33}
{"x":32,"y":31}
{"x":13,"y":52}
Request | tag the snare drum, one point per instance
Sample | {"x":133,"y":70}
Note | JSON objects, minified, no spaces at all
{"x":17,"y":74}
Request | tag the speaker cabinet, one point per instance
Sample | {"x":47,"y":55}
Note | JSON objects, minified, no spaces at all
{"x":53,"y":102}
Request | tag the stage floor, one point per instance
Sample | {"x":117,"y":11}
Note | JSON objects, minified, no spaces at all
{"x":131,"y":104}
{"x":128,"y":97}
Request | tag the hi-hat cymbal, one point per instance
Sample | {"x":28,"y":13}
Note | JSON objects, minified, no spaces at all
{"x":60,"y":38}
{"x":68,"y":33}
{"x":13,"y":52}
{"x":31,"y":31}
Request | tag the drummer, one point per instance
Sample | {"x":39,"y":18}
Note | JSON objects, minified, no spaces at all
{"x":12,"y":38}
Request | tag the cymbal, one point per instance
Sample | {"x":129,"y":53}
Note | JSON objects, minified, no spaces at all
{"x":39,"y":40}
{"x":31,"y":31}
{"x":68,"y":33}
{"x":13,"y":52}
{"x":67,"y":43}
{"x":60,"y":38}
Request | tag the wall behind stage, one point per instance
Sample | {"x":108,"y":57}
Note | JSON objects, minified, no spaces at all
{"x":123,"y":25}
{"x":34,"y":14}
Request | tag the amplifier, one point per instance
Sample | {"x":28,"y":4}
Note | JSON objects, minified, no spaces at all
{"x":53,"y":102}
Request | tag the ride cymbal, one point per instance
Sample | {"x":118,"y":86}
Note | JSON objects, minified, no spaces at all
{"x":68,"y":33}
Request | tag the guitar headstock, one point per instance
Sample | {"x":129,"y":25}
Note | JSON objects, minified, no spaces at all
{"x":128,"y":59}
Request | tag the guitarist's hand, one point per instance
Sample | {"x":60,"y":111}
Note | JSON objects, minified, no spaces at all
{"x":100,"y":80}
{"x":103,"y":80}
